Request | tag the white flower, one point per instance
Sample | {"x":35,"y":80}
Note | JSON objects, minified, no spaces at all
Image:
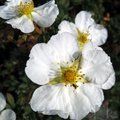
{"x":21,"y":14}
{"x":6,"y":114}
{"x":85,"y":30}
{"x":71,"y":87}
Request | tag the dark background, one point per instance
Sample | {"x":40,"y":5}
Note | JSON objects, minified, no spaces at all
{"x":15,"y":47}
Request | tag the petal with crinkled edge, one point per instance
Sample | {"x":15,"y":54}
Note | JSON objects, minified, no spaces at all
{"x":83,"y":21}
{"x":65,"y":45}
{"x":98,"y":34}
{"x":2,"y":102}
{"x":46,"y":14}
{"x":66,"y":26}
{"x":8,"y":114}
{"x":39,"y":66}
{"x":23,"y":23}
{"x":98,"y":68}
{"x":94,"y":94}
{"x":60,"y":100}
{"x":7,"y":12}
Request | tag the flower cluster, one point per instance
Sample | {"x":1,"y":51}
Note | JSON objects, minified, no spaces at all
{"x":6,"y":114}
{"x":72,"y":69}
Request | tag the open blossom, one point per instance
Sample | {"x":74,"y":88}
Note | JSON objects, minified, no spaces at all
{"x":6,"y":114}
{"x":21,"y":14}
{"x":72,"y":85}
{"x":85,"y":30}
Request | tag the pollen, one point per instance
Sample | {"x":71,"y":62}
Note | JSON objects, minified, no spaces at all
{"x":70,"y":75}
{"x":82,"y":39}
{"x":25,"y":8}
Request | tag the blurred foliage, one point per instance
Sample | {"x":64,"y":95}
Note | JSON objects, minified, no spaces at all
{"x":15,"y":47}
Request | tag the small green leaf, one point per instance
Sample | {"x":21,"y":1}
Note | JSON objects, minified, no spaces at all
{"x":10,"y":100}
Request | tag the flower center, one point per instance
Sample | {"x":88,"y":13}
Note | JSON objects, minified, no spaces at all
{"x":82,"y":39}
{"x":69,"y":75}
{"x":25,"y":8}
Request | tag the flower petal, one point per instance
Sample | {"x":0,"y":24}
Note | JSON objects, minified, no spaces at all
{"x":50,"y":100}
{"x":8,"y":114}
{"x":13,"y":2}
{"x":66,"y":26}
{"x":110,"y":82}
{"x":2,"y":102}
{"x":80,"y":104}
{"x":65,"y":45}
{"x":7,"y":12}
{"x":94,"y":94}
{"x":39,"y":64}
{"x":98,"y":34}
{"x":98,"y":68}
{"x":83,"y":21}
{"x":46,"y":14}
{"x":23,"y":23}
{"x":61,"y":100}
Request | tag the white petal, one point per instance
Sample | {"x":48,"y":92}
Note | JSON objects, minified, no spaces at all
{"x":13,"y":2}
{"x":8,"y":114}
{"x":2,"y":102}
{"x":7,"y":12}
{"x":65,"y":45}
{"x":98,"y":34}
{"x":69,"y":27}
{"x":83,"y":21}
{"x":23,"y":23}
{"x":98,"y":68}
{"x":50,"y":100}
{"x":61,"y":100}
{"x":110,"y":82}
{"x":80,"y":104}
{"x":10,"y":9}
{"x":46,"y":14}
{"x":90,"y":46}
{"x":94,"y":94}
{"x":40,"y":63}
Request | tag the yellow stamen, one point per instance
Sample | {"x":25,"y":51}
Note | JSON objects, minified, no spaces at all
{"x":70,"y":75}
{"x":82,"y":39}
{"x":25,"y":8}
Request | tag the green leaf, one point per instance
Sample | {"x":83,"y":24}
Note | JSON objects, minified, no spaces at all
{"x":10,"y":100}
